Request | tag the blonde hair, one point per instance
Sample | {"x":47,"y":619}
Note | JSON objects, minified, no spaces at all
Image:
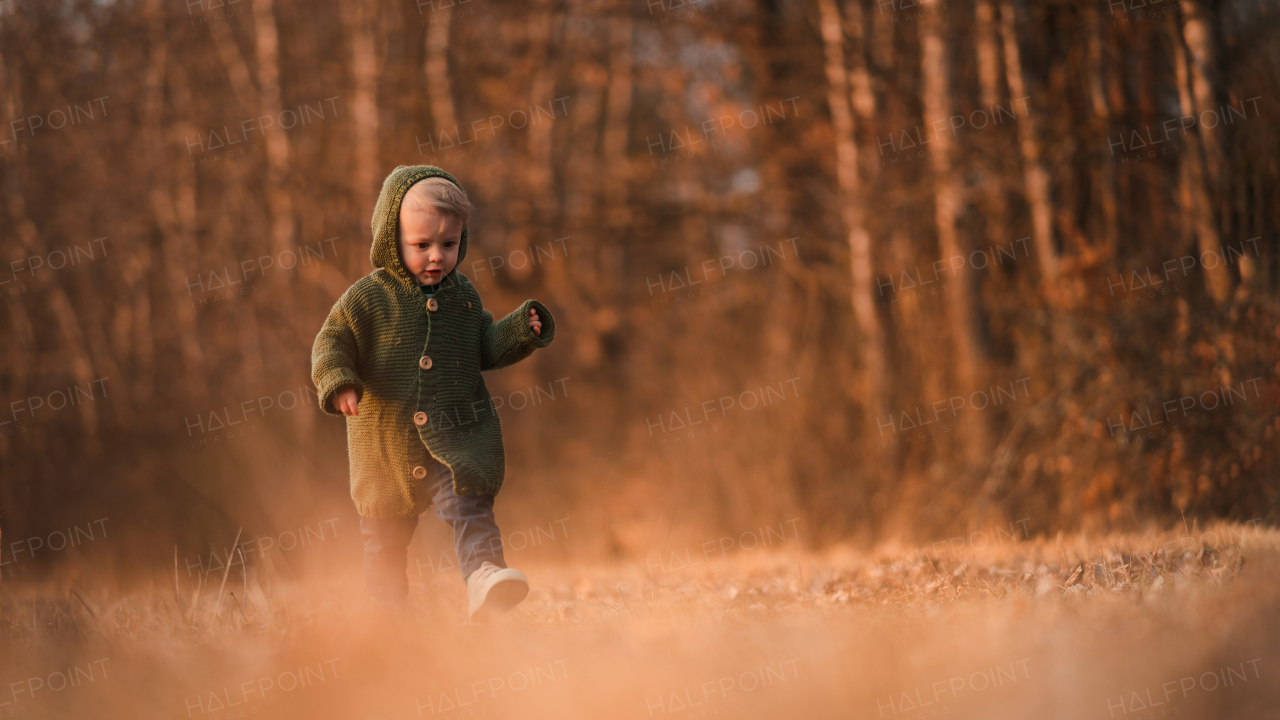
{"x":441,"y":195}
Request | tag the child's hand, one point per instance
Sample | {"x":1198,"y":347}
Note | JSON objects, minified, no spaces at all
{"x":534,"y":323}
{"x":345,"y":401}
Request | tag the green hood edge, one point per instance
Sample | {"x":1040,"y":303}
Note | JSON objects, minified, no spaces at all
{"x":384,"y":252}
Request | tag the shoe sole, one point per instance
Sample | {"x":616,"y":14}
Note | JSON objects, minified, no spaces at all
{"x":502,"y":597}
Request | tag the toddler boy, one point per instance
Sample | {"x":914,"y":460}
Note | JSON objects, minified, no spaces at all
{"x":400,"y":356}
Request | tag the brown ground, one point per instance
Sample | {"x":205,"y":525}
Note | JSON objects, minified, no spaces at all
{"x":1172,"y":625}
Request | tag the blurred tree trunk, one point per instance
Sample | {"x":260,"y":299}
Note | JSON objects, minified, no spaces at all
{"x":436,"y":68}
{"x":987,"y":51}
{"x":988,"y":54}
{"x":883,"y":52}
{"x":539,"y":187}
{"x":961,"y":305}
{"x":575,"y":279}
{"x":852,"y":212}
{"x":540,"y":198}
{"x":252,"y":365}
{"x":1104,"y":176}
{"x":17,"y":353}
{"x":1202,"y":60}
{"x":279,"y":199}
{"x":617,"y":132}
{"x":861,"y":95}
{"x":358,"y":16}
{"x":1151,"y":198}
{"x":1037,"y":176}
{"x":233,"y":62}
{"x":172,"y":196}
{"x":617,"y":163}
{"x":1197,"y":74}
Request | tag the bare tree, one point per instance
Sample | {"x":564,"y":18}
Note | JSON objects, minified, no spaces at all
{"x":987,"y":49}
{"x":1103,"y":173}
{"x":961,"y":305}
{"x":279,"y":199}
{"x":617,"y":115}
{"x":358,"y":17}
{"x":436,"y":68}
{"x":1033,"y":167}
{"x":851,"y":212}
{"x":1196,"y":72}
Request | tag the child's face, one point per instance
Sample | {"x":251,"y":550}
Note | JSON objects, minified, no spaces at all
{"x":429,"y":242}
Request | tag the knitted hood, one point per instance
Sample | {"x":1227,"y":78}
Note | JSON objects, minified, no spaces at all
{"x":384,"y":252}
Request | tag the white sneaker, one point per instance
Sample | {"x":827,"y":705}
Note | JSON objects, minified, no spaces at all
{"x":494,"y":590}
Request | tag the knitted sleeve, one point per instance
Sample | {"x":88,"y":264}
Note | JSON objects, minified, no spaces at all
{"x":334,"y":357}
{"x":510,"y":339}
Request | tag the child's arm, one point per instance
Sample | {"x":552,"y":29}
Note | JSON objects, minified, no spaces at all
{"x":512,"y":339}
{"x":334,"y":358}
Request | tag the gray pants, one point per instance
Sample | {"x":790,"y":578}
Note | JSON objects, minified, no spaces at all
{"x":476,"y":537}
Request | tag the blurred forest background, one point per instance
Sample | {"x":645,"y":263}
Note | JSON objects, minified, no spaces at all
{"x":895,"y":268}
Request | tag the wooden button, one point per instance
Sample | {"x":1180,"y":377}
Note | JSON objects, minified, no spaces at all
{"x":420,"y":418}
{"x":419,"y":472}
{"x":424,"y":362}
{"x":432,"y":305}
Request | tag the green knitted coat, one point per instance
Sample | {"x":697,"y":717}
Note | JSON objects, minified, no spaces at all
{"x":416,"y":371}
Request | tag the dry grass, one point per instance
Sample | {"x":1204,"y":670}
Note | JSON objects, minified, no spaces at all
{"x":1069,"y":628}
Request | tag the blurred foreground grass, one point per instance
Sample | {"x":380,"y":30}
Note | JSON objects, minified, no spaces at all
{"x":1183,"y":624}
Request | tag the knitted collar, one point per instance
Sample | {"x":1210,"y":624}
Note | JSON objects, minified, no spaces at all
{"x":384,"y":252}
